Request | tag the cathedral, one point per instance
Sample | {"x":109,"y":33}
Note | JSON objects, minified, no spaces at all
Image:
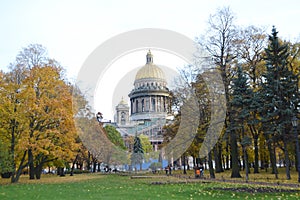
{"x":150,"y":104}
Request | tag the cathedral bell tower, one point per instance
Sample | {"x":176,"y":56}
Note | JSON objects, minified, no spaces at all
{"x":122,"y":110}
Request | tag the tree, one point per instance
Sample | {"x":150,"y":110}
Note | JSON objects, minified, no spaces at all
{"x":6,"y":161}
{"x":81,"y":111}
{"x":204,"y":102}
{"x":148,"y":148}
{"x":250,"y":45}
{"x":33,"y":55}
{"x":294,"y":63}
{"x":51,"y":131}
{"x":251,"y":42}
{"x":219,"y":41}
{"x":114,"y":136}
{"x":146,"y":144}
{"x":241,"y":103}
{"x":137,"y":155}
{"x":169,"y":132}
{"x":13,"y":119}
{"x":280,"y":98}
{"x":94,"y":138}
{"x":37,"y":115}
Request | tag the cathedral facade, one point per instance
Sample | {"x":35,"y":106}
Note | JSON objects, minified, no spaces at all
{"x":150,"y":104}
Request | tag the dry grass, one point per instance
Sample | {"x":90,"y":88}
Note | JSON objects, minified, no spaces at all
{"x":262,"y":176}
{"x":54,"y":179}
{"x":100,"y":186}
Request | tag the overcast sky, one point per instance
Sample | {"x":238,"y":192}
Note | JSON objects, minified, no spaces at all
{"x":71,"y":29}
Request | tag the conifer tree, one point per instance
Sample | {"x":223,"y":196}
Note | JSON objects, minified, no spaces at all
{"x":240,"y":106}
{"x":241,"y":99}
{"x":279,"y":94}
{"x":138,"y":152}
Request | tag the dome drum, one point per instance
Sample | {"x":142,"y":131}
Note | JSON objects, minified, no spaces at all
{"x":148,"y":93}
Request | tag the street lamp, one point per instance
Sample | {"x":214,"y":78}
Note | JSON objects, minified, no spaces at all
{"x":295,"y":124}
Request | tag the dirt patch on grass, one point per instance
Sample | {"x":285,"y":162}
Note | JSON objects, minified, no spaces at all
{"x":53,"y":179}
{"x":256,"y":189}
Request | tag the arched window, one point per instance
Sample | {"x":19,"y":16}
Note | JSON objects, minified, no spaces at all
{"x":123,"y":118}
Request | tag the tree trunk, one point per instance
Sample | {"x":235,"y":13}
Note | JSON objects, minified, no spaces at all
{"x":99,"y":165}
{"x":256,"y":154}
{"x":218,"y":163}
{"x":235,"y":171}
{"x":223,"y":162}
{"x":88,"y":166}
{"x":38,"y":171}
{"x":271,"y":149}
{"x":287,"y":160}
{"x":184,"y":165}
{"x":220,"y":155}
{"x":296,"y":158}
{"x":94,"y":166}
{"x":210,"y":165}
{"x":73,"y":165}
{"x":31,"y":165}
{"x":227,"y":156}
{"x":266,"y":164}
{"x":12,"y":149}
{"x":246,"y":164}
{"x":60,"y":171}
{"x":263,"y":157}
{"x":15,"y":176}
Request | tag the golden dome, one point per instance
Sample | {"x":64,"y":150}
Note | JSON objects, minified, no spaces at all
{"x":150,"y":70}
{"x":123,"y":102}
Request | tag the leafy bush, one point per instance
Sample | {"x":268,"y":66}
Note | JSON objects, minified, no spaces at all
{"x":155,"y":165}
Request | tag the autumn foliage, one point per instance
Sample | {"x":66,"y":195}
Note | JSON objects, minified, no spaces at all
{"x":37,"y":122}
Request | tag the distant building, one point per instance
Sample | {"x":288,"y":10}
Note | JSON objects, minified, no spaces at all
{"x":150,"y":104}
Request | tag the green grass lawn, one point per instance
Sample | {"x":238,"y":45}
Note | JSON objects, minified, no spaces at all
{"x":99,"y":186}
